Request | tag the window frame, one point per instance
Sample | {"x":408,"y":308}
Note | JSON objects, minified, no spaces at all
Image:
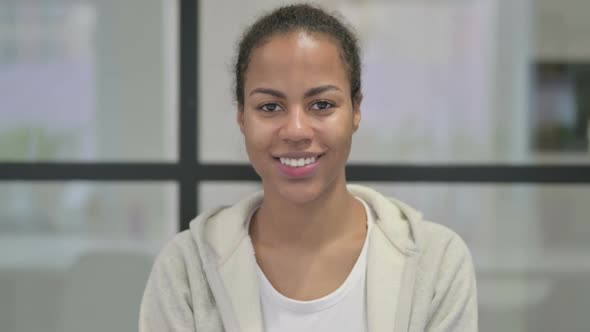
{"x":188,"y":171}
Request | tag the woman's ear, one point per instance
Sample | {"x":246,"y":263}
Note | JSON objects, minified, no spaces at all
{"x":240,"y":118}
{"x":356,"y":112}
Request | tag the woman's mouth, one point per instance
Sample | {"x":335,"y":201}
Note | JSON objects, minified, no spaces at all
{"x":298,"y":167}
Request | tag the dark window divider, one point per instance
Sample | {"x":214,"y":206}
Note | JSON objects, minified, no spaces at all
{"x":194,"y":172}
{"x":189,"y":174}
{"x":188,"y":101}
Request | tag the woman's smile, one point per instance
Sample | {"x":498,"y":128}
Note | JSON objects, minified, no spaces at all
{"x":298,"y":167}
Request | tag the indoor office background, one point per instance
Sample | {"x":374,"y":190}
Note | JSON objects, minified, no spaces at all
{"x":117,"y":126}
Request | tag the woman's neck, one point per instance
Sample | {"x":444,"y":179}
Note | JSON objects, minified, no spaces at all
{"x":333,"y":215}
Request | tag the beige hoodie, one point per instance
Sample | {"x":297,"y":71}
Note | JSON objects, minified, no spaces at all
{"x":205,"y":279}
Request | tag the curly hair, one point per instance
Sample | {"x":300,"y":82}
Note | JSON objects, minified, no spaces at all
{"x":300,"y":17}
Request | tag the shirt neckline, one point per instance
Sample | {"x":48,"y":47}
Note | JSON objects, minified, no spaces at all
{"x":356,"y":276}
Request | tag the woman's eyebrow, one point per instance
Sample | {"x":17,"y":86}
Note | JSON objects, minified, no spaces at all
{"x":271,"y":92}
{"x":309,"y":93}
{"x":320,"y":89}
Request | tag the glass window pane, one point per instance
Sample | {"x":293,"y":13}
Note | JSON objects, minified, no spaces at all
{"x":444,"y":82}
{"x":216,"y":109}
{"x":88,"y":80}
{"x":213,"y":194}
{"x":75,"y":256}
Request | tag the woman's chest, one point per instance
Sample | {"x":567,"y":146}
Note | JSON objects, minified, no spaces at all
{"x":306,"y":276}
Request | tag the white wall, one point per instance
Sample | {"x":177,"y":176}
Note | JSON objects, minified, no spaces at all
{"x":562,"y":30}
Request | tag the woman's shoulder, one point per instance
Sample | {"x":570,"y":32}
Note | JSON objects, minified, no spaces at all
{"x":446,"y":279}
{"x":438,"y":235}
{"x":179,"y":254}
{"x":177,"y":293}
{"x":178,"y":246}
{"x":444,"y":255}
{"x":441,"y":243}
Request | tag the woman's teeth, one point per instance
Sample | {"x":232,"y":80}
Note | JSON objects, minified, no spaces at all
{"x":297,"y":162}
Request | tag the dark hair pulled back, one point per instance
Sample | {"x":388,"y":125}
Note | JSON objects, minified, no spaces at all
{"x":301,"y":17}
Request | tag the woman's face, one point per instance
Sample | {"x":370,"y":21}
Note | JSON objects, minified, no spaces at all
{"x":298,"y":117}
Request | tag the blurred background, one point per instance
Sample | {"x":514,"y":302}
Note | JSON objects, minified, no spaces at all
{"x":451,"y":82}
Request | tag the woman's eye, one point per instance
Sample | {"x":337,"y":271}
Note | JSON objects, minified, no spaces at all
{"x":270,"y":107}
{"x":322,"y":105}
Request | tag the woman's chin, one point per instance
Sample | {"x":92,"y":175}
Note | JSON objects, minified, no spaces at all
{"x":298,"y":194}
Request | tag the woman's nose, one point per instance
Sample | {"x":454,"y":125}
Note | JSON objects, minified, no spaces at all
{"x":297,"y":126}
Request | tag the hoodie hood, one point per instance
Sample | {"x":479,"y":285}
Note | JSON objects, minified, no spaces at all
{"x":224,"y":227}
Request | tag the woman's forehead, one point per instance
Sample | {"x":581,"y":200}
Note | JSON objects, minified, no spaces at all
{"x":298,"y":56}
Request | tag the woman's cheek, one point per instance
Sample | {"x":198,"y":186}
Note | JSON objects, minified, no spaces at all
{"x":258,"y":141}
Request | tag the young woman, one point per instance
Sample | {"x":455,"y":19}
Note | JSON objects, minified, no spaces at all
{"x":309,"y":253}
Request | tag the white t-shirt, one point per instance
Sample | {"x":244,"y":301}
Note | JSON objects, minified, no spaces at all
{"x":343,"y":310}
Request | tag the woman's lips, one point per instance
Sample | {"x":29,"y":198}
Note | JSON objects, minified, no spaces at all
{"x":298,"y":172}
